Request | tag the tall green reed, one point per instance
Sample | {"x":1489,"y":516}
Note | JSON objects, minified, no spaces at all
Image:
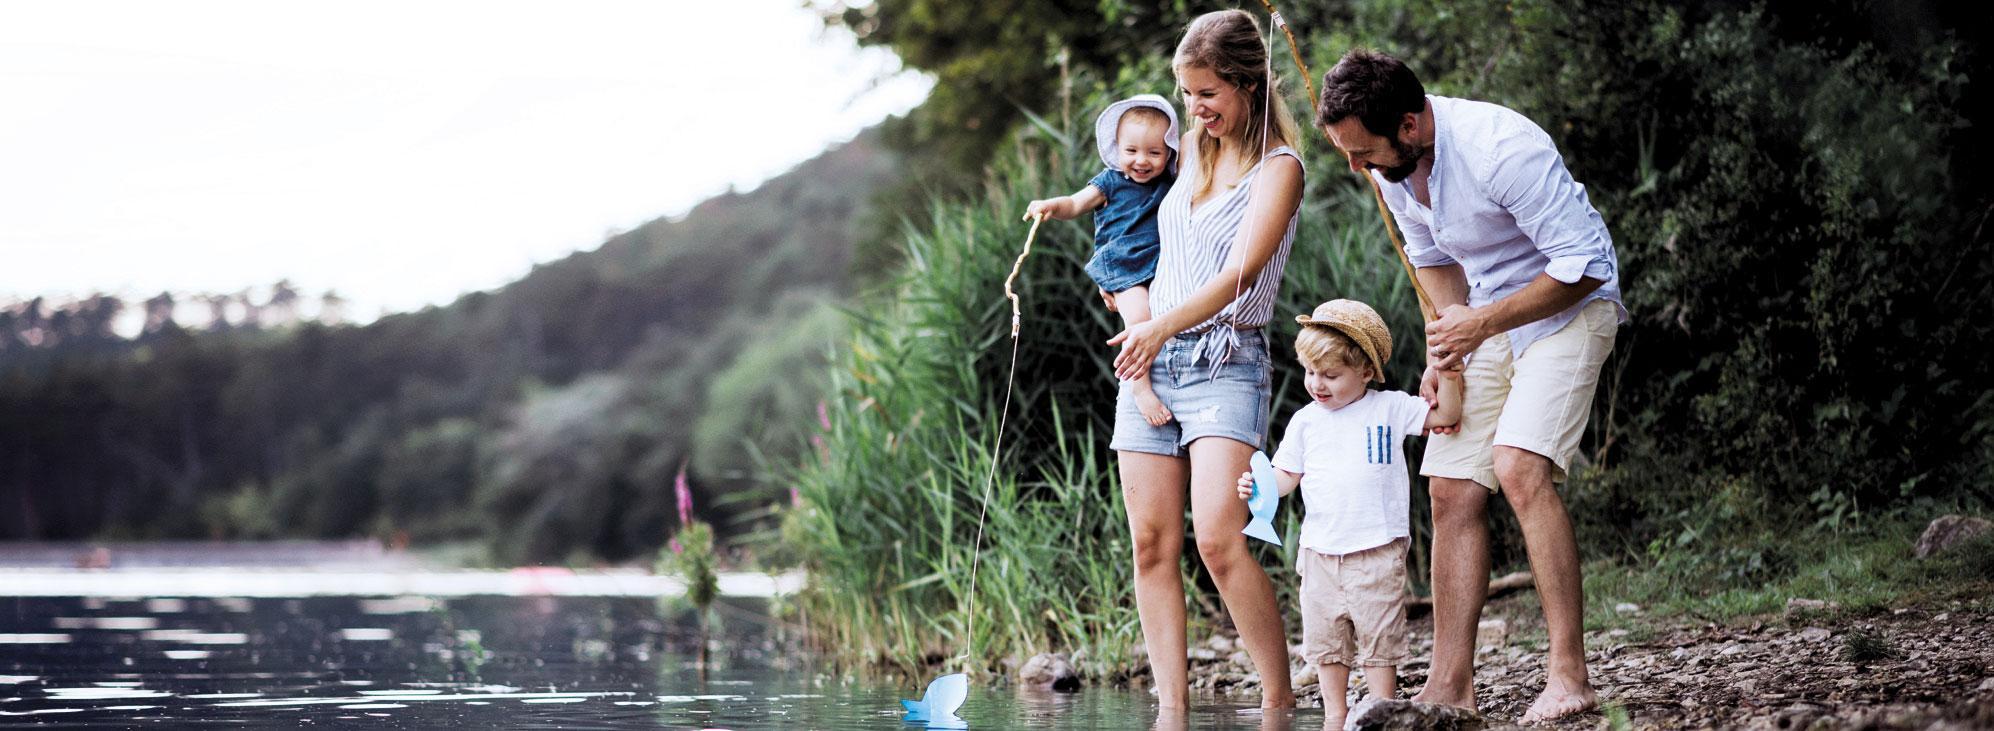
{"x":888,"y":509}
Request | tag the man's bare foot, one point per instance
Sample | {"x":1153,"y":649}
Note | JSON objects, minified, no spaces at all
{"x":1435,"y":696}
{"x":1332,"y":723}
{"x":1153,"y":410}
{"x":1557,"y":703}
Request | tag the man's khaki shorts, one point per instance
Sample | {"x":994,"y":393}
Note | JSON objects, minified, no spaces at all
{"x":1353,"y":606}
{"x":1537,"y":402}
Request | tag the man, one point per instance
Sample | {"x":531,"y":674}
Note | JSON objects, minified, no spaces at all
{"x":1525,"y":278}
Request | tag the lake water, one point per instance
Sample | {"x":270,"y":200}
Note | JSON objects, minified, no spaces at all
{"x":512,"y":662}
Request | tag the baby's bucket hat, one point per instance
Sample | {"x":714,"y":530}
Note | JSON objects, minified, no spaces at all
{"x":1361,"y":323}
{"x":1111,"y":120}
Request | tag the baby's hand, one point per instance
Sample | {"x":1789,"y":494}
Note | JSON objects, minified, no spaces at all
{"x":1246,"y":485}
{"x":1045,"y":208}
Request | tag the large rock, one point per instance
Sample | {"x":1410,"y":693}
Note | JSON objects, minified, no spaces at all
{"x":1491,"y":634}
{"x":1049,"y":671}
{"x":1398,"y":715}
{"x":1949,"y":531}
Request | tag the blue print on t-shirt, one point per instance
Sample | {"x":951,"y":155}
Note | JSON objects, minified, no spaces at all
{"x":1378,"y":444}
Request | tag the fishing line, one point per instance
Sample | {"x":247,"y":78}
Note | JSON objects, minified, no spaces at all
{"x":1003,"y":419}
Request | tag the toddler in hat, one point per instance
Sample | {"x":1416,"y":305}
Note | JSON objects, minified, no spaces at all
{"x":1345,"y":450}
{"x":1137,"y":139}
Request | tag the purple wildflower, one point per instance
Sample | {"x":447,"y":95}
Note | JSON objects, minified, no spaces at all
{"x":685,"y":499}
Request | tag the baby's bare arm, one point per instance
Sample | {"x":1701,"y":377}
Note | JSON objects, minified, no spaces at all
{"x":1067,"y":207}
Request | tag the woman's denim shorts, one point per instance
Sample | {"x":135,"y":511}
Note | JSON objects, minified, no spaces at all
{"x":1232,"y":405}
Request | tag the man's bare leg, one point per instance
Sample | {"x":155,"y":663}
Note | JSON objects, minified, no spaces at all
{"x":1133,"y":303}
{"x":1554,"y":562}
{"x":1460,"y":586}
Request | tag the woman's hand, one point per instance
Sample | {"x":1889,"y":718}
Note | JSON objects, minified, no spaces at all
{"x":1108,"y":298}
{"x":1246,"y":485}
{"x":1140,"y":344}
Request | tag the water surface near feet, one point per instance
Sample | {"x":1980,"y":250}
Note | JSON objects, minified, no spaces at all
{"x":512,"y":662}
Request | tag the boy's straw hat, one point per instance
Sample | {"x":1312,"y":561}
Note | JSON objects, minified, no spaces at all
{"x":1361,"y":323}
{"x":1111,"y":120}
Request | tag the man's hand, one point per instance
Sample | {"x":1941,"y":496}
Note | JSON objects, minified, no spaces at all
{"x":1457,"y":333}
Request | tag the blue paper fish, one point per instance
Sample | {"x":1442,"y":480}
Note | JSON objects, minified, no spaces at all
{"x":1265,"y":500}
{"x":937,"y":706}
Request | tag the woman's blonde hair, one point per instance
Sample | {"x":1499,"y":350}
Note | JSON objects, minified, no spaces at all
{"x":1227,"y":43}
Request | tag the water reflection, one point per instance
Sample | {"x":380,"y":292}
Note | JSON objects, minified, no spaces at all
{"x":532,"y":662}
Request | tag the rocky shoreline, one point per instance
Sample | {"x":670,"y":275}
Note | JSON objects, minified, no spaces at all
{"x":1909,"y":668}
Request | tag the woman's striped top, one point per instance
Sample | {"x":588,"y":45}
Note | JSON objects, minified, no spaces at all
{"x":1197,"y":245}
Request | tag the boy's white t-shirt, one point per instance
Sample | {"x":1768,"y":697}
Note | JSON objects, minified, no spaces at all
{"x":1352,"y":462}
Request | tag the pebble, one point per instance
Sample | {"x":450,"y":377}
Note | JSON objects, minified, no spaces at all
{"x":1627,"y":608}
{"x":1815,"y":634}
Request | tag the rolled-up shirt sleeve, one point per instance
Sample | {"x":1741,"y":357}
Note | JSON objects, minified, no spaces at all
{"x":1528,"y":178}
{"x":1420,"y":248}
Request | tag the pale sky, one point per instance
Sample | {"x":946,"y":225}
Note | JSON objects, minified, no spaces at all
{"x":401,"y":153}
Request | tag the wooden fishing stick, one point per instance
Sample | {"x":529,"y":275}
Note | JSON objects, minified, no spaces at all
{"x":1020,"y":264}
{"x":1426,"y":308}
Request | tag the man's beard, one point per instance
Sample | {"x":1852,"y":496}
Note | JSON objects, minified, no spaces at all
{"x":1411,"y":157}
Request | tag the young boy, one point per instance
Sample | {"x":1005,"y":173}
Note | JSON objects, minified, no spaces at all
{"x":1137,"y":139}
{"x":1345,"y":451}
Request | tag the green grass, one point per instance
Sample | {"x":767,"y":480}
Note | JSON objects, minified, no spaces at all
{"x":1859,"y":572}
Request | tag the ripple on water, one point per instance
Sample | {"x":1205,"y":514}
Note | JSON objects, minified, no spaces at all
{"x":33,"y":638}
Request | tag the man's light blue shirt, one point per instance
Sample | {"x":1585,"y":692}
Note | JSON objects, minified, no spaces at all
{"x":1505,"y":209}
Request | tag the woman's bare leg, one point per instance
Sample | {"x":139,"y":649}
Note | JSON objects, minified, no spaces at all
{"x":1217,"y":514}
{"x":1153,"y":489}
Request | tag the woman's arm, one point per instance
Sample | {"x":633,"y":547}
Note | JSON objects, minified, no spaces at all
{"x":1277,"y":193}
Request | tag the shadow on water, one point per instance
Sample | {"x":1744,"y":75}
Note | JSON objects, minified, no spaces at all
{"x":513,"y":662}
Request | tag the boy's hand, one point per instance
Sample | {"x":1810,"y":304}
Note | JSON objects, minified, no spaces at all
{"x":1246,"y":485}
{"x":1429,"y":389}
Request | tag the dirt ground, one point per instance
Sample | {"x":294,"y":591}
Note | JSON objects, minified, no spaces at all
{"x":1907,"y":668}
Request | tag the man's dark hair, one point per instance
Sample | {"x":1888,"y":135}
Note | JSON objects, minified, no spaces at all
{"x":1373,"y":87}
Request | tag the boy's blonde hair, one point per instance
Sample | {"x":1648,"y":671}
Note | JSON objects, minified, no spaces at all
{"x":1321,"y":348}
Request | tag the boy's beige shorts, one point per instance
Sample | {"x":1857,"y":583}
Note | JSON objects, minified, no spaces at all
{"x":1353,"y":606}
{"x":1537,"y":402}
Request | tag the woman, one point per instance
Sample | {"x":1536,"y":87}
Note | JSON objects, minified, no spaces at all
{"x":1226,"y":228}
